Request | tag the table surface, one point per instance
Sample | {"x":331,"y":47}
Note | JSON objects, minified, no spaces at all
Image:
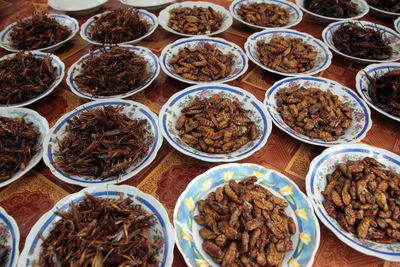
{"x":167,"y":176}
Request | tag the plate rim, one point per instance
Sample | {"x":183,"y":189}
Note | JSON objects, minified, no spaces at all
{"x":50,"y":3}
{"x":15,"y":228}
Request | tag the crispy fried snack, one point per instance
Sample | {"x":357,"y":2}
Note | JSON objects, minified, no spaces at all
{"x":38,"y":31}
{"x":215,"y":125}
{"x":333,"y":8}
{"x":387,"y":5}
{"x":263,"y":14}
{"x":112,"y":72}
{"x":245,"y":224}
{"x":196,"y":20}
{"x":117,"y":26}
{"x":286,"y":54}
{"x":100,"y":232}
{"x":205,"y":63}
{"x":363,"y":196}
{"x":314,"y":113}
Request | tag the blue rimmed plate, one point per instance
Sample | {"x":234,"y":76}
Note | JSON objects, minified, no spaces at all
{"x":397,"y":24}
{"x":316,"y":182}
{"x":321,"y":62}
{"x":69,"y":22}
{"x":131,"y":109}
{"x":150,"y":19}
{"x":362,"y":83}
{"x":59,"y":75}
{"x":152,"y":71}
{"x":9,"y":237}
{"x":305,"y":241}
{"x":239,"y":66}
{"x":40,"y":124}
{"x":361,"y":116}
{"x":171,"y":111}
{"x":392,"y":36}
{"x":161,"y":234}
{"x":295,"y":14}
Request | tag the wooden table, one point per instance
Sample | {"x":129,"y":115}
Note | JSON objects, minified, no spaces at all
{"x":31,"y":196}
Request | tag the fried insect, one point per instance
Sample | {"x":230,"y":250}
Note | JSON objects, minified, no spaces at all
{"x":100,"y":232}
{"x":215,"y":125}
{"x":387,"y":5}
{"x":250,"y":234}
{"x":112,"y":72}
{"x":362,"y":196}
{"x":384,"y":91}
{"x":4,"y":255}
{"x":38,"y":31}
{"x":290,"y":55}
{"x":19,"y":141}
{"x":332,"y":8}
{"x":101,"y":143}
{"x":263,"y":14}
{"x":314,"y":113}
{"x":204,"y":63}
{"x":118,"y":26}
{"x":362,"y":42}
{"x":196,"y":20}
{"x":24,"y":77}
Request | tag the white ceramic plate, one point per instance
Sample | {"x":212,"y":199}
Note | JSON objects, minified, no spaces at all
{"x":76,"y":7}
{"x":60,"y":70}
{"x":162,"y":233}
{"x":163,"y":17}
{"x":152,"y":71}
{"x":9,"y":237}
{"x":316,"y":183}
{"x":361,"y":4}
{"x":322,"y":61}
{"x":392,"y":36}
{"x":361,"y":116}
{"x":295,"y":14}
{"x":150,"y":18}
{"x":362,"y":83}
{"x":239,"y":67}
{"x":382,"y":13}
{"x":148,"y":4}
{"x":305,"y":240}
{"x":132,"y":110}
{"x":71,"y":23}
{"x":397,"y":24}
{"x":171,"y":111}
{"x":40,"y":124}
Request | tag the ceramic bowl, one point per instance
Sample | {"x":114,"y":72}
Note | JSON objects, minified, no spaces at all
{"x":77,"y":7}
{"x":321,"y":62}
{"x":131,"y":109}
{"x":397,"y":24}
{"x":163,"y":17}
{"x":391,"y":35}
{"x":171,"y":111}
{"x":69,"y":22}
{"x":295,"y":14}
{"x":162,"y":233}
{"x":382,"y":13}
{"x":305,"y":240}
{"x":150,"y":18}
{"x":239,"y":67}
{"x":152,"y":71}
{"x":148,"y":4}
{"x":316,"y":182}
{"x":9,"y":237}
{"x":361,"y":116}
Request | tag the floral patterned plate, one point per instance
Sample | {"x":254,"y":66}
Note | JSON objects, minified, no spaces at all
{"x":295,"y":14}
{"x":316,"y":183}
{"x":361,"y":116}
{"x":362,"y":83}
{"x":9,"y":237}
{"x":40,"y":124}
{"x":152,"y":71}
{"x":161,"y":234}
{"x":305,"y":241}
{"x":163,"y":17}
{"x":171,"y":111}
{"x":321,"y":62}
{"x":132,"y":110}
{"x":239,"y":67}
{"x":392,"y":36}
